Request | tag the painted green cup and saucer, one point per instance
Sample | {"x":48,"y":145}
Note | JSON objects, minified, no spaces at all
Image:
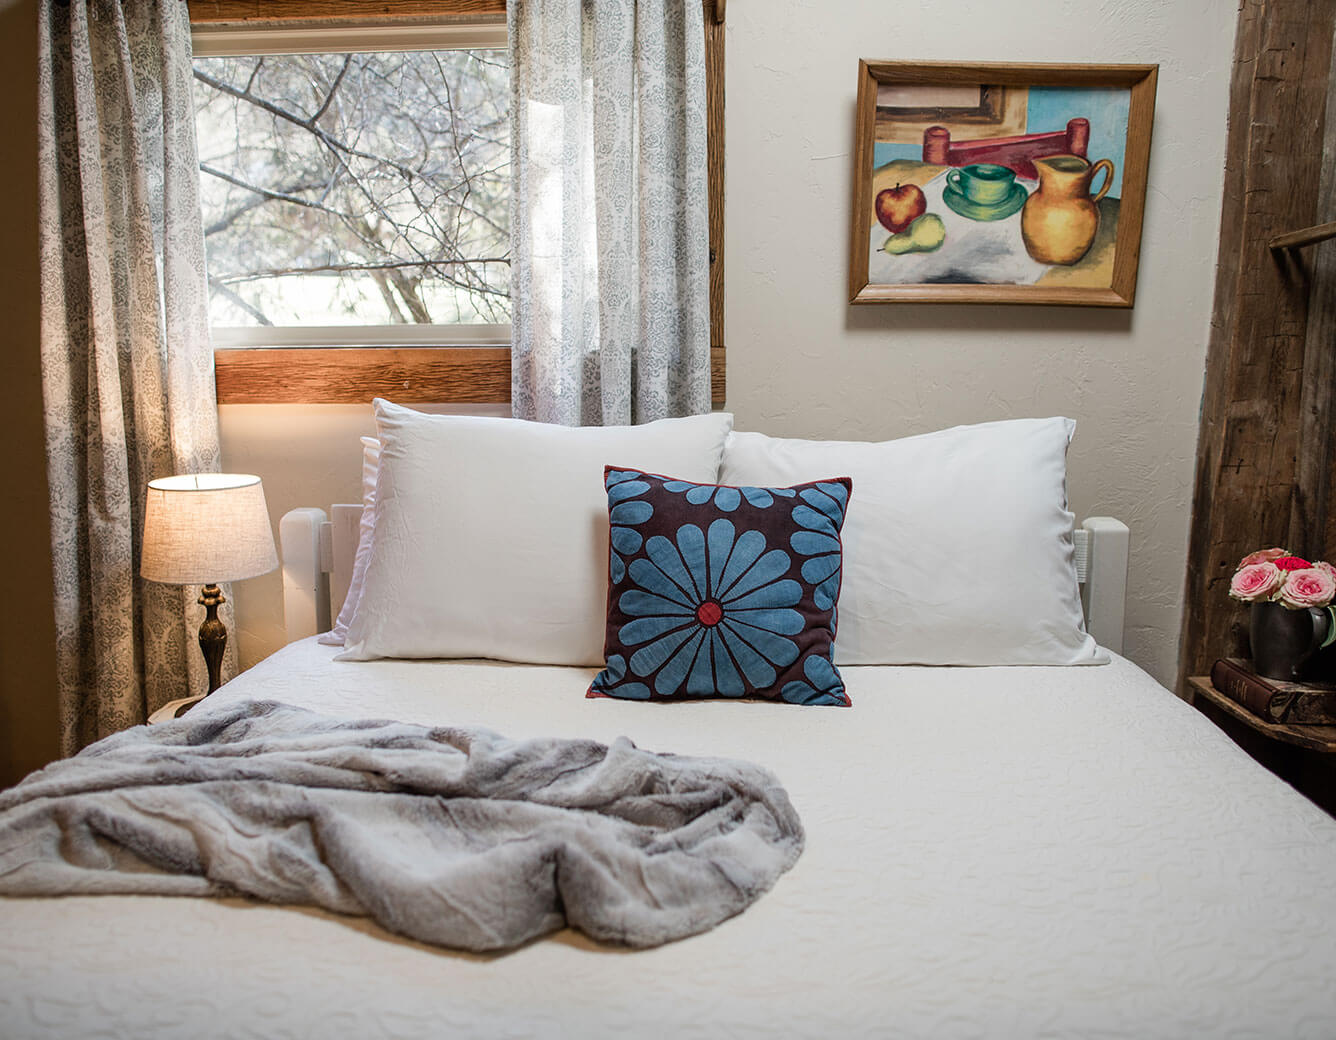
{"x":983,"y":191}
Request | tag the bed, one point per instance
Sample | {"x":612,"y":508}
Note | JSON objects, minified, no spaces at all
{"x":1018,"y":851}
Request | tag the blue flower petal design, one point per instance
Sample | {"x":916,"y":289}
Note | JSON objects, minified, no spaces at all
{"x":625,"y":512}
{"x":727,"y":499}
{"x":728,"y":679}
{"x":823,"y":684}
{"x":674,"y":670}
{"x":785,"y":625}
{"x":764,"y":498}
{"x":769,"y":642}
{"x":615,"y":675}
{"x":623,"y":486}
{"x":711,"y":611}
{"x":821,"y":516}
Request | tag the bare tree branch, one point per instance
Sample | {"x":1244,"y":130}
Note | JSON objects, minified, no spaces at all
{"x":265,"y":193}
{"x":278,"y":272}
{"x":400,"y":174}
{"x":217,"y":286}
{"x":261,"y":196}
{"x":306,"y":124}
{"x":347,"y":60}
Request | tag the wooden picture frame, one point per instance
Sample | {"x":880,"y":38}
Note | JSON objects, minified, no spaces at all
{"x":971,"y":211}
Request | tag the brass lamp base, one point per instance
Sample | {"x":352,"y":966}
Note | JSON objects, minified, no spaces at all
{"x":212,"y":634}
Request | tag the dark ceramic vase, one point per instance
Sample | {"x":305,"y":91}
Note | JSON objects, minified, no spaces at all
{"x":1284,"y":641}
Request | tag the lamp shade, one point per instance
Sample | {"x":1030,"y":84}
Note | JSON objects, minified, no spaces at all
{"x":205,"y":528}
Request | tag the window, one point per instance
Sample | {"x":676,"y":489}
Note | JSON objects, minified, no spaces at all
{"x":363,"y":188}
{"x":351,"y":235}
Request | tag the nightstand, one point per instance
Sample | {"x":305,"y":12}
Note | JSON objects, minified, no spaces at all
{"x":1302,"y":756}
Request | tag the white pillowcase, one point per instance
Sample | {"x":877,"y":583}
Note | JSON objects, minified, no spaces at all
{"x":957,"y":544}
{"x":370,"y":467}
{"x":491,"y":535}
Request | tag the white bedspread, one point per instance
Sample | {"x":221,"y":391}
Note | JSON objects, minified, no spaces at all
{"x":1018,"y":852}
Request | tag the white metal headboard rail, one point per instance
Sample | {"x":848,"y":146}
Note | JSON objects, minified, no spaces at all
{"x":318,"y":553}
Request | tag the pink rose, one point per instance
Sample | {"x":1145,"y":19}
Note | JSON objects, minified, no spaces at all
{"x":1262,"y":556}
{"x":1255,"y":581}
{"x":1308,"y":588}
{"x":1323,"y":565}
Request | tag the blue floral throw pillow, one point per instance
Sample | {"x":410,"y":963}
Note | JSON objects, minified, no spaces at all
{"x":718,"y":591}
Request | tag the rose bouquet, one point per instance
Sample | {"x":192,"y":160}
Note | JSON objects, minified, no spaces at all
{"x":1276,"y":576}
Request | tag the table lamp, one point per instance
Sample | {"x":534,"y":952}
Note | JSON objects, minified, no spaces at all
{"x":201,"y":529}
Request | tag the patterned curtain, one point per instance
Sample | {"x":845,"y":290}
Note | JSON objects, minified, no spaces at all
{"x":610,"y":248}
{"x":126,"y":361}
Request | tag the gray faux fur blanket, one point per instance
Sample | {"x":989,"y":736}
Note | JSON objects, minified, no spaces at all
{"x":451,"y":836}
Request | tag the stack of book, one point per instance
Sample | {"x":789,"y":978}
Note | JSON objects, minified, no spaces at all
{"x":1292,"y":703}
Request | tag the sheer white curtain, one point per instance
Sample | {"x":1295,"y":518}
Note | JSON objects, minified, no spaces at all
{"x":610,"y":246}
{"x":127,"y":367}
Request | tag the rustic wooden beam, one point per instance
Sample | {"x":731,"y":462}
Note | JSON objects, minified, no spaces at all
{"x":1249,"y":440}
{"x":354,"y":375}
{"x":1305,"y":237}
{"x":1312,"y":521}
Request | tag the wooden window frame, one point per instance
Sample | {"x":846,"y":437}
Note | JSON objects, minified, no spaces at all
{"x":431,"y":374}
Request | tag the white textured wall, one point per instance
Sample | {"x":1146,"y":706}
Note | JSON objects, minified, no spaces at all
{"x":802,"y":362}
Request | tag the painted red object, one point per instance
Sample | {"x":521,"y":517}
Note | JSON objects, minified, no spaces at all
{"x":898,"y":207}
{"x":1013,"y":152}
{"x":709,"y":613}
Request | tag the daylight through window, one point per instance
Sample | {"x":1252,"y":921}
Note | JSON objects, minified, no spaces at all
{"x":356,"y":189}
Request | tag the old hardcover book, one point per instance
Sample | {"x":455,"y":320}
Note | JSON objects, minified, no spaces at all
{"x":1310,"y":703}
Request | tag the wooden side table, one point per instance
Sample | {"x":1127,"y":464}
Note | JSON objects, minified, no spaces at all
{"x":1302,"y":756}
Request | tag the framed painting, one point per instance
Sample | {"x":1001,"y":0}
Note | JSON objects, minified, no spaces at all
{"x":999,"y":183}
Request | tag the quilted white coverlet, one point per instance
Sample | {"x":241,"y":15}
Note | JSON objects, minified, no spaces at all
{"x":1021,"y":852}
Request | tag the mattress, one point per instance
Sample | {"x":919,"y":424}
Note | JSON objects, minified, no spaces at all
{"x":999,"y":852}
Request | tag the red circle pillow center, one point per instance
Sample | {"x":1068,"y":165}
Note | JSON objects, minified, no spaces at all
{"x":709,"y":613}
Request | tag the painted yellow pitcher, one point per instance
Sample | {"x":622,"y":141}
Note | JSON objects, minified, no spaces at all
{"x":1060,"y":217}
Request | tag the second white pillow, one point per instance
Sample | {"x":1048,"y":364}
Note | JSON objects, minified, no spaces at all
{"x":957,"y":546}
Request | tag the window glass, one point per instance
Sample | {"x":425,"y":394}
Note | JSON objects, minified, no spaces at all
{"x":356,"y":189}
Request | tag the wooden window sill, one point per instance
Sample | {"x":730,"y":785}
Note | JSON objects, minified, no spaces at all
{"x":411,"y":375}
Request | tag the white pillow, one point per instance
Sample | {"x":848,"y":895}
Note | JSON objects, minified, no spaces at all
{"x":957,"y":544}
{"x":491,"y":535}
{"x":370,"y":467}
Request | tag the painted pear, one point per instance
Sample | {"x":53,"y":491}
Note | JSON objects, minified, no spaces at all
{"x":928,"y":233}
{"x":924,"y":235}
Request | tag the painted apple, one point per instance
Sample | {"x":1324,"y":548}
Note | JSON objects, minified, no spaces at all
{"x":900,"y":206}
